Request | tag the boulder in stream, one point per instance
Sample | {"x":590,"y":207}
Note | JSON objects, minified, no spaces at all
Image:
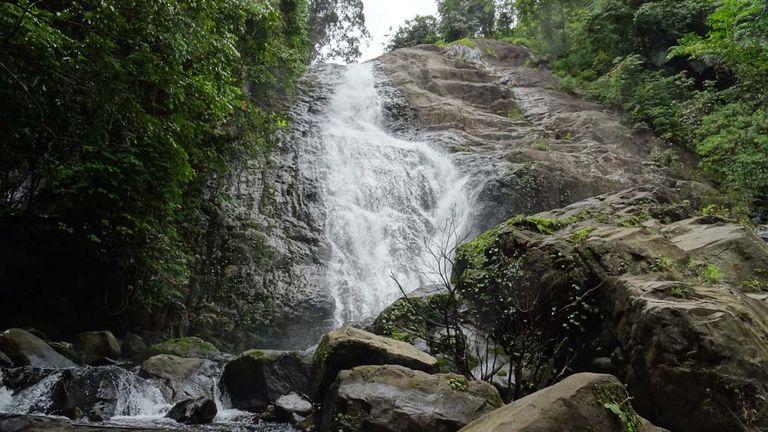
{"x":257,"y":378}
{"x":26,"y":349}
{"x":185,"y":378}
{"x":134,"y":347}
{"x":193,"y":411}
{"x":95,"y":346}
{"x":397,"y":399}
{"x":348,"y":347}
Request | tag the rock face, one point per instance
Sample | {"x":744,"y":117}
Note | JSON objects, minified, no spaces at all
{"x":185,"y":377}
{"x":257,"y":378}
{"x":678,"y":295}
{"x":580,"y":403}
{"x":193,"y":411}
{"x":525,"y":145}
{"x":5,"y":361}
{"x":348,"y":347}
{"x":25,"y":349}
{"x":66,"y":349}
{"x":397,"y":399}
{"x":94,"y":346}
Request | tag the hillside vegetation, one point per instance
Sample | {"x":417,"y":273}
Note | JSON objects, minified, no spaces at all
{"x":693,"y":71}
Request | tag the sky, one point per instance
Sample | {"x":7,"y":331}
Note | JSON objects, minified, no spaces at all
{"x":380,"y":15}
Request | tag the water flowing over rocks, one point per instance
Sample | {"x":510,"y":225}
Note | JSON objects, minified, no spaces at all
{"x":193,"y":411}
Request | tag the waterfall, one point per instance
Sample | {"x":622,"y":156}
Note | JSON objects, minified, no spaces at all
{"x":384,"y":198}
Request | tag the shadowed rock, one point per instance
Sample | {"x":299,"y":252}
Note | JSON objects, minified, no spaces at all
{"x":397,"y":399}
{"x":26,"y":349}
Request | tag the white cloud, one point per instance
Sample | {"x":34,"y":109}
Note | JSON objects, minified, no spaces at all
{"x":380,"y":15}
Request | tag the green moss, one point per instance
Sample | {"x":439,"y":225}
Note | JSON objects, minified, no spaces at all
{"x":580,"y":235}
{"x":541,"y":145}
{"x":681,"y":291}
{"x":185,"y":347}
{"x":707,"y":273}
{"x":663,"y":264}
{"x":515,"y":113}
{"x":465,"y":42}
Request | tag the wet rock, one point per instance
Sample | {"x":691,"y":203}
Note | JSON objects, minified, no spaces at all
{"x":100,"y":393}
{"x":30,"y":423}
{"x":581,"y":402}
{"x":93,"y":346}
{"x":348,"y":347}
{"x":291,"y":404}
{"x":397,"y":399}
{"x":66,"y":349}
{"x":26,"y":349}
{"x":191,"y":347}
{"x":257,"y":378}
{"x":134,"y":347}
{"x":193,"y":411}
{"x":16,"y":379}
{"x":186,"y":378}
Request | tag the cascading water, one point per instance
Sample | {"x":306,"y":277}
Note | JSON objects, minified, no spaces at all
{"x":384,"y":197}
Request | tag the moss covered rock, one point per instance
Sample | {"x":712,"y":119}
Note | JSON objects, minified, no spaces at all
{"x":397,"y":399}
{"x":192,"y":347}
{"x":93,"y":346}
{"x":348,"y":347}
{"x":673,"y":295}
{"x":580,"y":403}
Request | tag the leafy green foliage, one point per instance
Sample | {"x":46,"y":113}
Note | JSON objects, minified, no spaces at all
{"x":693,"y":71}
{"x":115,"y":115}
{"x":336,"y":28}
{"x":419,"y":30}
{"x":466,"y":18}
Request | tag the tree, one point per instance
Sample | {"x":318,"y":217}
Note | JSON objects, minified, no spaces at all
{"x":113,"y":116}
{"x":419,"y":30}
{"x":466,"y":18}
{"x":336,"y":28}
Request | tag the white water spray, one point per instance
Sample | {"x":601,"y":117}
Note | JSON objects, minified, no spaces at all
{"x":384,"y":196}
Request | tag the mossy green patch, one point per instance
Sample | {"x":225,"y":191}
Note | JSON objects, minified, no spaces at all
{"x":185,"y":347}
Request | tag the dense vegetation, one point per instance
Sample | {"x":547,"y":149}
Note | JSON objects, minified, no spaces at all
{"x":693,"y":71}
{"x":115,"y":117}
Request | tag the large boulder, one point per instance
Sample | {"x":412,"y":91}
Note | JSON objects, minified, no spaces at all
{"x":192,"y":347}
{"x":650,"y":285}
{"x":581,"y":403}
{"x":186,"y":378}
{"x":257,"y":378}
{"x":348,"y":347}
{"x":26,"y":349}
{"x":193,"y":411}
{"x":393,"y":398}
{"x":94,"y":346}
{"x":66,"y":349}
{"x":134,"y":347}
